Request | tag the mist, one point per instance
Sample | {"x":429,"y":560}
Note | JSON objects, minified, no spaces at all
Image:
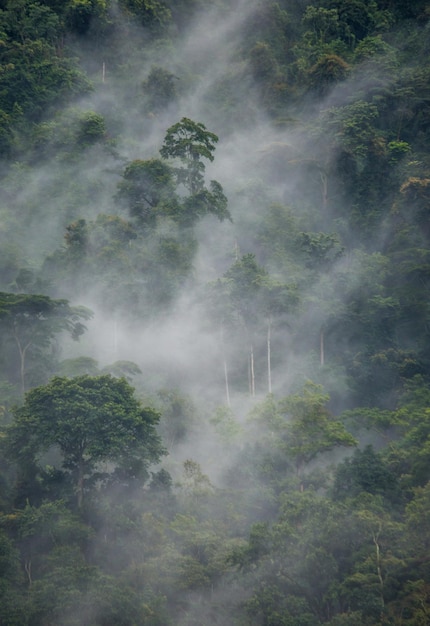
{"x":281,"y":343}
{"x":259,"y":164}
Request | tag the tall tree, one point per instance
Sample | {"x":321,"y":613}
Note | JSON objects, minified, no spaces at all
{"x":91,"y":420}
{"x":190,"y":142}
{"x":31,"y":322}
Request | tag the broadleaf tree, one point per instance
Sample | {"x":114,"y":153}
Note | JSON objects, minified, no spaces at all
{"x":91,"y":420}
{"x":31,"y":322}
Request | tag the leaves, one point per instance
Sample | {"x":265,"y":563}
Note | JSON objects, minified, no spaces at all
{"x":91,"y":420}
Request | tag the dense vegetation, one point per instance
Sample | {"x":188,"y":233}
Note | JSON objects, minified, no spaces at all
{"x":214,"y":313}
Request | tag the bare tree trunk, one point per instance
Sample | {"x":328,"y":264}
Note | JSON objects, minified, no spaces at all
{"x":324,"y":189}
{"x":321,"y":347}
{"x":269,"y":358}
{"x":27,"y":567}
{"x":378,"y":566}
{"x":252,"y":372}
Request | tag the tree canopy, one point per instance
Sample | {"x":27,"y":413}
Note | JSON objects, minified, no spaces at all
{"x":228,"y":204}
{"x":91,"y":420}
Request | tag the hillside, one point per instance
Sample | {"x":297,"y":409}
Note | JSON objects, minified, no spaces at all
{"x":214,"y":312}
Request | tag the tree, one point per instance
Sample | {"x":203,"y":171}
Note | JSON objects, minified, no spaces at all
{"x":367,"y":472}
{"x":91,"y":420}
{"x":13,"y":606}
{"x":92,"y":128}
{"x":36,"y":75}
{"x":148,"y":190}
{"x":32,"y":322}
{"x":327,"y":71}
{"x":178,"y":415}
{"x":79,"y":14}
{"x":159,"y":89}
{"x":151,"y":13}
{"x":189,"y":142}
{"x":245,"y":279}
{"x":310,"y":429}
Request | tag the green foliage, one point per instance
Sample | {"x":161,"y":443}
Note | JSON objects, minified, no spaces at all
{"x":147,"y":189}
{"x":35,"y":75}
{"x":320,"y":249}
{"x":354,"y":126}
{"x":189,"y":142}
{"x":79,"y":14}
{"x":271,"y":525}
{"x":91,"y":420}
{"x":226,"y":426}
{"x":327,"y":71}
{"x":92,"y":128}
{"x":364,"y":471}
{"x":151,"y":13}
{"x":31,"y":322}
{"x":311,"y":430}
{"x":159,"y":90}
{"x":296,"y":431}
{"x":178,"y":416}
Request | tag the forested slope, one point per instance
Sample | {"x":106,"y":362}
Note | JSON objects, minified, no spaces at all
{"x":214,"y":312}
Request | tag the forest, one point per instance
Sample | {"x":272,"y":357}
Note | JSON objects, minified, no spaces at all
{"x":214,"y":312}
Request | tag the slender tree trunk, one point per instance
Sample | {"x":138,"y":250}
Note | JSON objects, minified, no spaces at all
{"x":324,"y":189}
{"x":269,"y":356}
{"x":252,"y":372}
{"x":27,"y":567}
{"x":378,"y":566}
{"x":322,"y":357}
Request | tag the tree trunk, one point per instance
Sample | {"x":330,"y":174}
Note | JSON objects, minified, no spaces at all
{"x":324,"y":189}
{"x":252,"y":372}
{"x":269,"y":357}
{"x":27,"y":567}
{"x":378,"y":566}
{"x":322,"y":347}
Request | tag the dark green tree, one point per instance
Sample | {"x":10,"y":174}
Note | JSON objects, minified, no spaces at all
{"x":159,"y":90}
{"x":365,"y":471}
{"x":91,"y":420}
{"x":148,"y":191}
{"x":190,"y":142}
{"x":308,"y":428}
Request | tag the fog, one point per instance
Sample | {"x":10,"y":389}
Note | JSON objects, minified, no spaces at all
{"x":259,"y":164}
{"x":255,"y":162}
{"x":223,"y":325}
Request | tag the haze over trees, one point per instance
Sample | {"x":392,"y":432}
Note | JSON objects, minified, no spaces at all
{"x":214,"y":313}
